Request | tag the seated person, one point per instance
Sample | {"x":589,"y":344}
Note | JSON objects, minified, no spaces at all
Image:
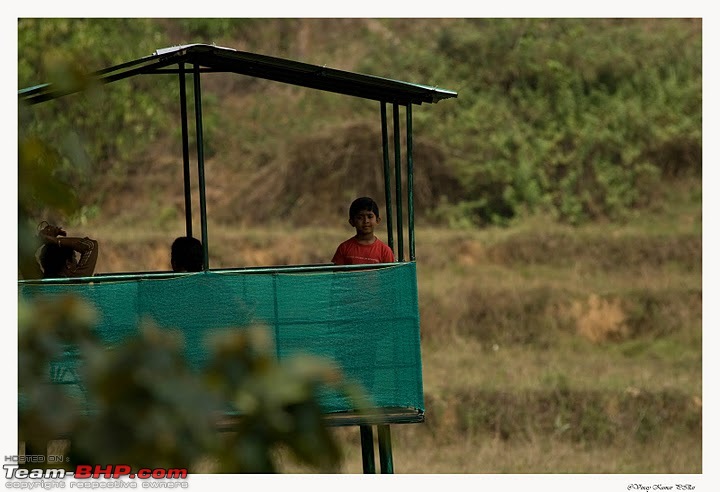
{"x":58,"y":254}
{"x":186,"y":254}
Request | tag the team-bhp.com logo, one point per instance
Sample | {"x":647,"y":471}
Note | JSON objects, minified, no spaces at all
{"x":47,"y":478}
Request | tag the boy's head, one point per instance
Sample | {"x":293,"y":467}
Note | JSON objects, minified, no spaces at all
{"x":364,"y":215}
{"x":186,"y":254}
{"x":363,"y":204}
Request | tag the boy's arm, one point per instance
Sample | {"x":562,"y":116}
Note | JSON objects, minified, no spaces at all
{"x":88,"y":249}
{"x":88,"y":258}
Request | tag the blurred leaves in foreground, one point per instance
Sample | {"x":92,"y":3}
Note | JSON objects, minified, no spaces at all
{"x":139,"y":402}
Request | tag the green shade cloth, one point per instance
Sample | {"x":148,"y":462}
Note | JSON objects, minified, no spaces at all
{"x":367,"y":321}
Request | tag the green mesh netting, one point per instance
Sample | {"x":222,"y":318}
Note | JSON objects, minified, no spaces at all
{"x":366,"y":321}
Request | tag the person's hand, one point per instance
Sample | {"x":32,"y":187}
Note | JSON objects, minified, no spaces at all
{"x":49,"y":233}
{"x":52,"y":230}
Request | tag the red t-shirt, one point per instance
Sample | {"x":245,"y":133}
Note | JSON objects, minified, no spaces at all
{"x":351,"y":252}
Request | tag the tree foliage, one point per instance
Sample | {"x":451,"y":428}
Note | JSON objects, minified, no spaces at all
{"x":139,"y":403}
{"x":576,"y":118}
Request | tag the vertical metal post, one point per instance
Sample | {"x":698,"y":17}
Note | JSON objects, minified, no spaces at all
{"x":201,"y":164}
{"x":385,"y":449}
{"x":386,"y":174}
{"x":368,"y":448}
{"x":398,"y":180}
{"x":411,"y":207}
{"x":186,"y":152}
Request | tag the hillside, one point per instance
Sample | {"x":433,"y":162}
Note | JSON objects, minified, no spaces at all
{"x":579,"y":119}
{"x":559,"y":203}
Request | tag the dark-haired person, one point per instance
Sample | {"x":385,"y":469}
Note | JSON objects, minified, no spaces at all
{"x":59,"y":254}
{"x":186,"y":254}
{"x":364,"y":247}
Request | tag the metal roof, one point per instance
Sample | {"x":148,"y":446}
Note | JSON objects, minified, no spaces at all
{"x":220,"y":59}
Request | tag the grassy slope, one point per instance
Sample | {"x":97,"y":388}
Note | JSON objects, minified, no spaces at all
{"x":544,"y":348}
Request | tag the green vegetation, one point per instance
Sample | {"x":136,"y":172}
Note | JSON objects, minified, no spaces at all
{"x":579,"y":119}
{"x":141,"y":403}
{"x":559,"y":237}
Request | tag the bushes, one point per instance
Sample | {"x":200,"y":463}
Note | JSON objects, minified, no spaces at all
{"x":576,"y":118}
{"x":109,"y":126}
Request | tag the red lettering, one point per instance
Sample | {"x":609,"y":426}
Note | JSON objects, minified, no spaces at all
{"x":121,"y":470}
{"x":177,"y":473}
{"x":117,"y":471}
{"x":106,"y":472}
{"x":83,"y":471}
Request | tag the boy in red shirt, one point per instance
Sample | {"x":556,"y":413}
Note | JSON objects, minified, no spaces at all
{"x":364,"y":247}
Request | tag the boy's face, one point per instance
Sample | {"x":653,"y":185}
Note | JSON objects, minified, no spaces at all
{"x":365,"y":221}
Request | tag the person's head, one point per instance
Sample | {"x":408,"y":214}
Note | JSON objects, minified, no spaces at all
{"x":57,"y":261}
{"x":186,"y":254}
{"x":364,"y":215}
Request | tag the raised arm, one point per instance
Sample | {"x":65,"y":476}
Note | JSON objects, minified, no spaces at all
{"x":86,"y":247}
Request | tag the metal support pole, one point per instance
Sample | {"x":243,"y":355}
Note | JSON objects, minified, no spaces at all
{"x":411,"y":207}
{"x":398,"y":180}
{"x":368,"y":449}
{"x":186,"y":153}
{"x":386,"y":174}
{"x":385,"y":449}
{"x":201,"y":164}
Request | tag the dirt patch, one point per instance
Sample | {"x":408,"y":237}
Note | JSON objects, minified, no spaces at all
{"x":600,"y":320}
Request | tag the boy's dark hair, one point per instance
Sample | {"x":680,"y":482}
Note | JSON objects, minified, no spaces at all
{"x":186,"y":254}
{"x":54,"y":258}
{"x":363,"y":204}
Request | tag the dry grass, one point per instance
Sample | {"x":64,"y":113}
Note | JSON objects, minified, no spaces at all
{"x":600,"y":320}
{"x":453,"y":366}
{"x":415,"y":453}
{"x":303,"y":182}
{"x":556,"y":359}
